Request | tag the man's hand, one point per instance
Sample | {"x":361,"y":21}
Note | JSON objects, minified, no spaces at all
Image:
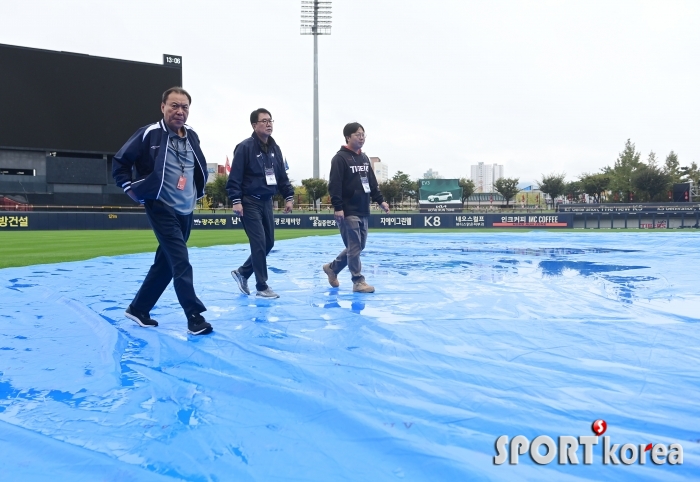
{"x":288,"y":206}
{"x":131,"y":194}
{"x":238,"y":209}
{"x":385,"y":207}
{"x":339,"y":216}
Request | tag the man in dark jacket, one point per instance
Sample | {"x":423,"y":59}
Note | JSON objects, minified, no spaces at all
{"x":163,"y":167}
{"x":257,"y":173}
{"x":352,"y":184}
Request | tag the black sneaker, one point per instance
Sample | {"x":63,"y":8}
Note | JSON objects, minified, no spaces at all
{"x":143,"y":319}
{"x":242,"y":282}
{"x":197,"y":325}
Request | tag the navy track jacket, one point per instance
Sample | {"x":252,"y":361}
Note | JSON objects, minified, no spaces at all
{"x":139,"y":165}
{"x":247,"y":176}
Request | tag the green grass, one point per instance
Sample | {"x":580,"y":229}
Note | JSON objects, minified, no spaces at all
{"x":24,"y":248}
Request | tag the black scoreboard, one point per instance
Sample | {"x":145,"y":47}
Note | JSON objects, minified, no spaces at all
{"x":67,"y":102}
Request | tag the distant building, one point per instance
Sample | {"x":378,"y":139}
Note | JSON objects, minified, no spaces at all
{"x":214,"y":169}
{"x":430,"y":174}
{"x":381,"y":169}
{"x":485,"y":175}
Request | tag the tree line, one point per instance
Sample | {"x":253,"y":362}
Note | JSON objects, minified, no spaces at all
{"x":629,"y":179}
{"x":397,"y":190}
{"x":215,"y":194}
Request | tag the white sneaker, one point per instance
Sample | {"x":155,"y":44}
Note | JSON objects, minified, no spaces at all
{"x":268,"y":293}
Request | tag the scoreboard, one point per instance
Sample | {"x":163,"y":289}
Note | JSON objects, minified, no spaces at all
{"x":68,"y":102}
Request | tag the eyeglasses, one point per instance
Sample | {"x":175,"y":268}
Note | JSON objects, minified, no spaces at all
{"x":360,"y":135}
{"x":184,"y":107}
{"x":267,"y":122}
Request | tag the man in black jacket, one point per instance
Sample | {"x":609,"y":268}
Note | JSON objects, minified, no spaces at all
{"x":163,"y":167}
{"x":352,"y":184}
{"x":257,"y":173}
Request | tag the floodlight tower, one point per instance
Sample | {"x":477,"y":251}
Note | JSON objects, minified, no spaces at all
{"x":315,"y":20}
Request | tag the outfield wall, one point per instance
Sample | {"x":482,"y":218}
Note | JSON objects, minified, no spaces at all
{"x":43,"y":221}
{"x":46,"y":221}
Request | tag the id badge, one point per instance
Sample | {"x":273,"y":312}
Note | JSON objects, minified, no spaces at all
{"x":181,"y":183}
{"x":270,"y":176}
{"x":365,"y":184}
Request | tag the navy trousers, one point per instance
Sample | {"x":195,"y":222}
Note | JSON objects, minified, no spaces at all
{"x":259,"y":225}
{"x":171,"y":262}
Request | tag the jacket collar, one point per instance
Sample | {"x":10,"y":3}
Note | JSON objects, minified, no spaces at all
{"x":348,"y":153}
{"x":346,"y":148}
{"x":270,"y":141}
{"x":170,"y":132}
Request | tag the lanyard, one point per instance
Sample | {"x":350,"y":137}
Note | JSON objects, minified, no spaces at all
{"x":364,"y":179}
{"x":264,"y":157}
{"x":176,"y":147}
{"x":357,"y":165}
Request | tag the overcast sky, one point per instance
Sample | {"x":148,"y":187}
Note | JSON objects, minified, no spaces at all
{"x":538,"y":86}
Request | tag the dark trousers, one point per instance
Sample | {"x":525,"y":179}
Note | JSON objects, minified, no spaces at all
{"x":171,"y":262}
{"x":353,"y":230}
{"x":259,"y":225}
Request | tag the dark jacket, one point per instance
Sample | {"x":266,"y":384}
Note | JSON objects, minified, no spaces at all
{"x":247,"y":176}
{"x":345,"y":183}
{"x":139,"y":165}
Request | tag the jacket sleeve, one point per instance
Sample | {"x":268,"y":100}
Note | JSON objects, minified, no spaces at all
{"x":234,"y":186}
{"x":335,"y":182}
{"x":375,"y":193}
{"x":283,"y":185}
{"x":123,"y":161}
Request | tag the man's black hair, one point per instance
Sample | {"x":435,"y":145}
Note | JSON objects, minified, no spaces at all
{"x":176,"y":90}
{"x":350,"y":129}
{"x":256,"y":113}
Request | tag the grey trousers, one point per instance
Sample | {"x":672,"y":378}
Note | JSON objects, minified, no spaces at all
{"x":353,"y":230}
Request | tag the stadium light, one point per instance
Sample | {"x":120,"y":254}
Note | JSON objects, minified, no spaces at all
{"x":315,"y":20}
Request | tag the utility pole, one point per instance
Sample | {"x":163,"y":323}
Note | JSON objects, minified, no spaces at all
{"x":315,"y":20}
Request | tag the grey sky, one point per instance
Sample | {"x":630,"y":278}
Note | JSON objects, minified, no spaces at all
{"x":539,"y":86}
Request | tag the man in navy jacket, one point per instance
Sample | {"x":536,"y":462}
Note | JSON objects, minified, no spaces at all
{"x":163,"y":167}
{"x":257,"y":173}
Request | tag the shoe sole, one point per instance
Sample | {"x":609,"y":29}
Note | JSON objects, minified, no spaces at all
{"x":331,"y":281}
{"x":138,"y":322}
{"x":204,"y":331}
{"x":238,"y":282}
{"x":267,"y":297}
{"x":363,"y":291}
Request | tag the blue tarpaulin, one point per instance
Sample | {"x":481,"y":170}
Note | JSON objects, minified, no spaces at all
{"x":468,"y":337}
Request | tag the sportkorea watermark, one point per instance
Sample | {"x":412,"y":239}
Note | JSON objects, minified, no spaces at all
{"x":568,"y":449}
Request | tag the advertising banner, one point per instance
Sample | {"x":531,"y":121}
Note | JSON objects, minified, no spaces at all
{"x":531,"y":221}
{"x":439,"y":195}
{"x":629,"y":208}
{"x":67,"y":221}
